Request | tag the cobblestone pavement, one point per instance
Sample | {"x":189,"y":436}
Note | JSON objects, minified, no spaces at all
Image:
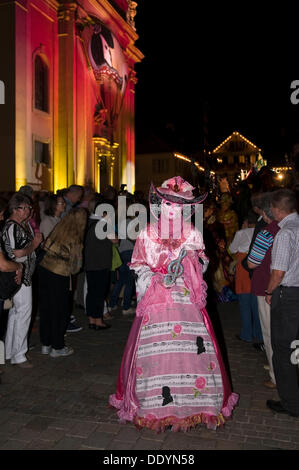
{"x":62,"y":403}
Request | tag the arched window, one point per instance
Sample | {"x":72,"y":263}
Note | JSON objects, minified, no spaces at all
{"x":41,"y":84}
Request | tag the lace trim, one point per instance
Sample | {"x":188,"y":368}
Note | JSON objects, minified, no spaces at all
{"x":177,"y":424}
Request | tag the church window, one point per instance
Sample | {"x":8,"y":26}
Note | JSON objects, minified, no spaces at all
{"x":41,"y":85}
{"x":41,"y":152}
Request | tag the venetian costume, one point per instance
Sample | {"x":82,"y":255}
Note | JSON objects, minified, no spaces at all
{"x":228,"y":217}
{"x":172,"y":373}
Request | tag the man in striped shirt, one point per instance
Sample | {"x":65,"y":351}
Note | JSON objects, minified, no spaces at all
{"x":282,"y":294}
{"x":264,"y":241}
{"x":259,"y":260}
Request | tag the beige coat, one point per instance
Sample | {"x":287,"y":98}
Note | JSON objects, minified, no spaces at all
{"x":63,"y":259}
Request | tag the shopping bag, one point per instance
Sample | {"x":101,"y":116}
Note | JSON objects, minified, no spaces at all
{"x":116,"y":259}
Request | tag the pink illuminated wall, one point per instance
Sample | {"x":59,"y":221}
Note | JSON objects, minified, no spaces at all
{"x":88,"y":99}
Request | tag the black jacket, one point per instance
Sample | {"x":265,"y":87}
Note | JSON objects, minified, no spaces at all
{"x":97,"y":253}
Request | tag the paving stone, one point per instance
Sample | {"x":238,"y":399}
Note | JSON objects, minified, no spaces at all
{"x":82,"y":429}
{"x":172,"y":440}
{"x":19,"y":418}
{"x":201,"y":444}
{"x":12,"y":444}
{"x":99,"y":440}
{"x":9,"y":427}
{"x":244,"y":402}
{"x":26,"y":434}
{"x":127,"y":434}
{"x":39,"y":423}
{"x":3,"y":441}
{"x":120,"y":445}
{"x":52,"y":434}
{"x":153,"y":436}
{"x":254,"y":441}
{"x":257,"y":446}
{"x":228,"y":445}
{"x":237,"y":437}
{"x":40,"y":445}
{"x":69,"y":443}
{"x":147,"y":444}
{"x":282,"y":437}
{"x":206,"y":433}
{"x":255,"y":419}
{"x":108,"y":427}
{"x":173,"y":446}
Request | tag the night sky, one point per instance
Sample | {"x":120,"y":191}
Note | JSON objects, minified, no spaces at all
{"x":235,"y":65}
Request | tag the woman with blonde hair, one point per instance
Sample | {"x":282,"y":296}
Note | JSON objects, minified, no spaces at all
{"x":63,"y":257}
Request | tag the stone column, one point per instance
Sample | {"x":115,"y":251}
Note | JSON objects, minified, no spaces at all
{"x":64,"y":168}
{"x":127,"y":153}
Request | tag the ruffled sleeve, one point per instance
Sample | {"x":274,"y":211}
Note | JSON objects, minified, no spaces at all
{"x":195,"y":243}
{"x":140,"y":266}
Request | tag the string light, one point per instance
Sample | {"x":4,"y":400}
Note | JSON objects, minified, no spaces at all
{"x":186,"y":159}
{"x":235,"y":133}
{"x":282,"y":168}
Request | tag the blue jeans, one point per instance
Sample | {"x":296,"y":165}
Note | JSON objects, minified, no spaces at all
{"x":251,"y":327}
{"x":126,"y":278}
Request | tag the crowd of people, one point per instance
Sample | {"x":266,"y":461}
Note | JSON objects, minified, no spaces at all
{"x":256,"y":263}
{"x":251,"y":240}
{"x":49,"y":240}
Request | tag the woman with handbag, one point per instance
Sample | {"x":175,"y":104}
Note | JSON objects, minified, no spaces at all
{"x":62,"y":258}
{"x":19,"y":244}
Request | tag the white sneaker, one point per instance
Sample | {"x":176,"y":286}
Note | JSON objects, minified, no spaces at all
{"x":46,"y":349}
{"x":129,"y":311}
{"x":66,"y":351}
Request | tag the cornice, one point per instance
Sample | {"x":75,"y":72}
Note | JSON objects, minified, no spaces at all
{"x":53,"y":4}
{"x":24,"y":4}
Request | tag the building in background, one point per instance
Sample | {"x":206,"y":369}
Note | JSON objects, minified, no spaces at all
{"x":156,"y":167}
{"x":235,"y":156}
{"x":68,"y":73}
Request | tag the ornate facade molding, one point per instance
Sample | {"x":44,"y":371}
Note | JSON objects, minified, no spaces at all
{"x":131,"y":13}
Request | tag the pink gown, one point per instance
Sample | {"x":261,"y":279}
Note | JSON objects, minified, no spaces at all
{"x":172,"y":372}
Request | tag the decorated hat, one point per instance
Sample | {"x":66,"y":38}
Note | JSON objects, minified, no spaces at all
{"x":175,"y":190}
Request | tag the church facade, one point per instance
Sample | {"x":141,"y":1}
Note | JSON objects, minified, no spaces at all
{"x":68,"y":72}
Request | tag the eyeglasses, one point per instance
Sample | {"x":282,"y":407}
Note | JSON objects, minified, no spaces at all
{"x":24,"y":207}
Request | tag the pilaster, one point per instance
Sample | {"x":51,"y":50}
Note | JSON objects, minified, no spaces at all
{"x":65,"y":157}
